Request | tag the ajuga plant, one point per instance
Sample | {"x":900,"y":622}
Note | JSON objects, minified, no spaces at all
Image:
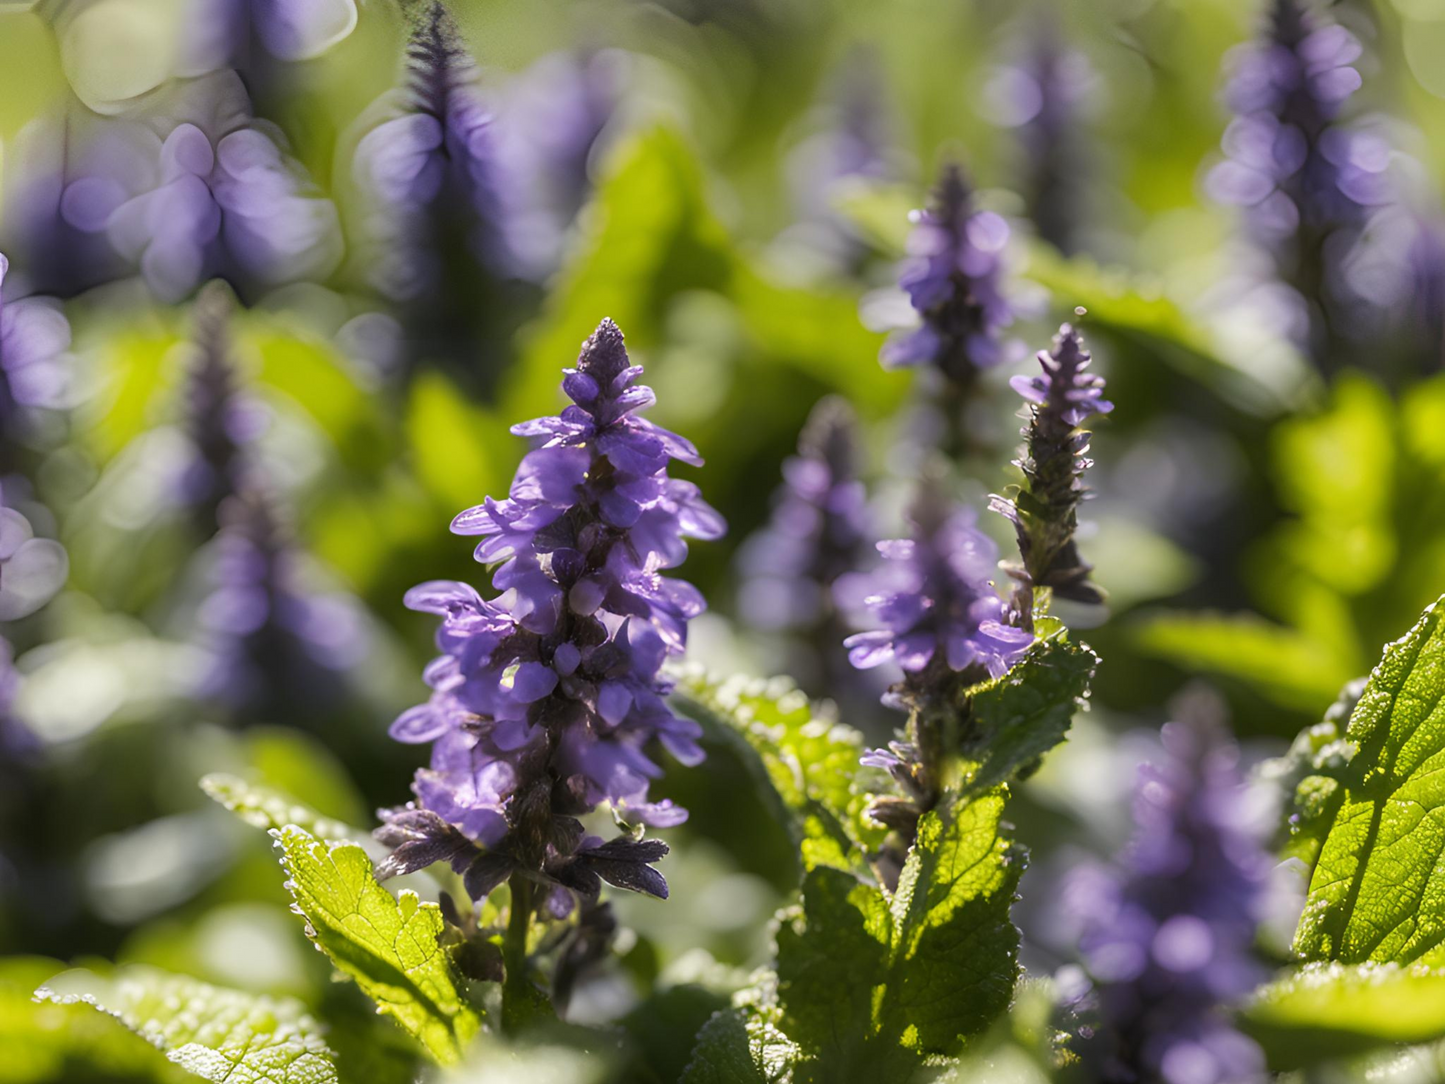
{"x":1167,"y":937}
{"x":208,"y":191}
{"x":281,"y":650}
{"x":436,"y":241}
{"x":548,"y":697}
{"x":1044,"y":510}
{"x":547,"y":701}
{"x":818,"y":532}
{"x":548,"y":131}
{"x":944,"y":625}
{"x":952,"y":279}
{"x":1306,"y":182}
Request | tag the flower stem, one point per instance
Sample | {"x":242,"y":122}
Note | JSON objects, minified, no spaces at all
{"x":517,"y":996}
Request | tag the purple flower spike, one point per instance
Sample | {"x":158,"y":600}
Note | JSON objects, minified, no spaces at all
{"x":1044,"y":511}
{"x":281,"y":650}
{"x":1167,"y":938}
{"x":429,"y":171}
{"x":547,"y":699}
{"x":1305,"y":182}
{"x":935,"y":601}
{"x":553,"y":118}
{"x":818,"y":530}
{"x":952,"y":279}
{"x":1042,"y":97}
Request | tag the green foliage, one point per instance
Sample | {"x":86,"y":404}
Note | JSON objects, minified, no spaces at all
{"x":266,"y":807}
{"x":868,"y":984}
{"x":1359,"y":556}
{"x":1378,"y":891}
{"x":803,"y":758}
{"x":1330,"y":1010}
{"x":223,"y":1036}
{"x":390,"y":945}
{"x":1290,"y":666}
{"x":1310,"y":778}
{"x":1016,"y":719}
{"x":44,"y":1041}
{"x":738,"y":1047}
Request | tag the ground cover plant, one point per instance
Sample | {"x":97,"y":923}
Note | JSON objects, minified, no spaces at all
{"x":644,"y":541}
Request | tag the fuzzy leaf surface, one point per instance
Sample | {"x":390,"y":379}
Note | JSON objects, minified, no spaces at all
{"x":1019,"y":717}
{"x":1378,"y":890}
{"x":805,"y":760}
{"x":224,"y":1036}
{"x":869,"y":985}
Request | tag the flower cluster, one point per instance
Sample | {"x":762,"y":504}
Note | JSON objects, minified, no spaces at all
{"x":430,"y":171}
{"x":1044,"y":511}
{"x":952,"y":280}
{"x":206,"y":192}
{"x":1167,"y":940}
{"x":818,"y":529}
{"x":935,"y":600}
{"x":34,"y":363}
{"x":547,"y":697}
{"x":817,"y":534}
{"x":553,"y":117}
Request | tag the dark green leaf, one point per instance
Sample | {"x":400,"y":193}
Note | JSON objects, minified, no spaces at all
{"x":1378,"y":891}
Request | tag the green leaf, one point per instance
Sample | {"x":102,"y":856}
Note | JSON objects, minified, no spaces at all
{"x":266,"y":807}
{"x":1326,"y":1011}
{"x":1309,"y":777}
{"x":388,"y":944}
{"x":1378,"y":890}
{"x":868,"y":984}
{"x":1019,"y":717}
{"x":44,"y":1042}
{"x":737,"y":1046}
{"x":1295,"y":669}
{"x":1336,"y":471}
{"x":224,"y":1036}
{"x":804,"y":759}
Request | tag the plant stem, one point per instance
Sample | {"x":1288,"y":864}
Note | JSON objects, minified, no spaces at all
{"x":516,"y":995}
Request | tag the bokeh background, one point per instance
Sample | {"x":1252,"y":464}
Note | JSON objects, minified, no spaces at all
{"x":731,"y":182}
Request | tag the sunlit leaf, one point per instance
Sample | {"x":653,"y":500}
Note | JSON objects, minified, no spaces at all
{"x":1378,"y":891}
{"x":1327,"y":1011}
{"x":804,"y":758}
{"x":266,"y":807}
{"x":220,"y":1035}
{"x":388,"y":944}
{"x":869,"y":984}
